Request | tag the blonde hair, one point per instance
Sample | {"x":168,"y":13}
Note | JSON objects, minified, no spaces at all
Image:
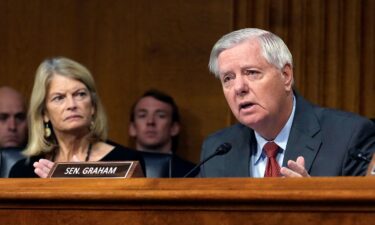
{"x":38,"y":143}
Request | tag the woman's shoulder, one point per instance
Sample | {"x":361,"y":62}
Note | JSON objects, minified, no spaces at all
{"x":24,"y":168}
{"x":120,"y":152}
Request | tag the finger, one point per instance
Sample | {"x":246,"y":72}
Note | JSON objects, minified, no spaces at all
{"x":40,"y":173}
{"x":301,"y":161}
{"x":286,"y":172}
{"x":38,"y":165}
{"x":75,"y":159}
{"x":46,"y":163}
{"x":298,"y":166}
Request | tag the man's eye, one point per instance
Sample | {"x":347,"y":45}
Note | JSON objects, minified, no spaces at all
{"x":21,"y":116}
{"x":162,"y":115}
{"x":3,"y":117}
{"x":140,"y":116}
{"x":227,"y":78}
{"x":251,"y":72}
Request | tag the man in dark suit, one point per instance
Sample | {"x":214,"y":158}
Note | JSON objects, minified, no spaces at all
{"x":280,"y":133}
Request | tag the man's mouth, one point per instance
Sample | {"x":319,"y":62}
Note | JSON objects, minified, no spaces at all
{"x":11,"y":139}
{"x":246,"y":105}
{"x":150,"y":132}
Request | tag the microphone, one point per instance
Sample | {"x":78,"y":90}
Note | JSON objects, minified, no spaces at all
{"x":359,"y":156}
{"x":221,"y":150}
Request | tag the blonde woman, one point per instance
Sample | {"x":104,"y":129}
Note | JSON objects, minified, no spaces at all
{"x":66,"y":121}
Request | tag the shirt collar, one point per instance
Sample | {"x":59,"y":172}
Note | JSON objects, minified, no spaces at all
{"x":281,"y":139}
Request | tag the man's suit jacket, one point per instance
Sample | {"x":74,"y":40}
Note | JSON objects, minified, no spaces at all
{"x":326,"y":138}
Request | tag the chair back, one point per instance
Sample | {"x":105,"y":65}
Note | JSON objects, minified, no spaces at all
{"x":157,"y":164}
{"x":9,"y":157}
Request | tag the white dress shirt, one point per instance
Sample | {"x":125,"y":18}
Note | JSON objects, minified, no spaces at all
{"x":258,"y":161}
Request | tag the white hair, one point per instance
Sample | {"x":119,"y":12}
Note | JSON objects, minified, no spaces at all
{"x":273,"y":48}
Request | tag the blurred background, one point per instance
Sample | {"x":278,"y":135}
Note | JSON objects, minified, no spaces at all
{"x":133,"y":45}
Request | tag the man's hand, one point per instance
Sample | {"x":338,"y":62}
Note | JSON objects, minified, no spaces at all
{"x":295,"y":168}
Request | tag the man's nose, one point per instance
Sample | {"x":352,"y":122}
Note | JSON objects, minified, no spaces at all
{"x":150,"y":120}
{"x":241,"y":86}
{"x":12,"y":124}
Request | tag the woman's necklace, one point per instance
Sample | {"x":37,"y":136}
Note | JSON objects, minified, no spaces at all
{"x":86,"y":159}
{"x":88,"y":153}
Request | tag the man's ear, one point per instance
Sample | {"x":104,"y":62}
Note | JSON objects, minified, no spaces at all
{"x":175,"y":129}
{"x":287,"y":73}
{"x":132,"y":130}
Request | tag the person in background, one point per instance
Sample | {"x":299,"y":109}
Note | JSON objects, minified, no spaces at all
{"x":155,"y":126}
{"x":279,"y":133}
{"x":67,"y":121}
{"x":13,"y":124}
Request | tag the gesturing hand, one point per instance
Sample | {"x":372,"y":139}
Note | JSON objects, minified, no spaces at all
{"x":295,"y":168}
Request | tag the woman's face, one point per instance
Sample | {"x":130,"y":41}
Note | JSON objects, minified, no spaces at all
{"x":68,"y":105}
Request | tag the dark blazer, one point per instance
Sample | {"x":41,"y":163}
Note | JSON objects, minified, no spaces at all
{"x":163,"y":165}
{"x":326,"y":138}
{"x":24,"y":168}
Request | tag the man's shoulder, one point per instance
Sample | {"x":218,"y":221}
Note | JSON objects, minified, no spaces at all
{"x":342,"y":118}
{"x":234,"y":134}
{"x":308,"y":112}
{"x":229,"y":131}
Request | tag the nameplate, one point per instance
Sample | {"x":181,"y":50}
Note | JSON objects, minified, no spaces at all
{"x":371,"y":167}
{"x":115,"y":169}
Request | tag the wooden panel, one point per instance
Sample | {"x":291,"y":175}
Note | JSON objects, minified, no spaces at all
{"x":367,"y":43}
{"x":172,"y":54}
{"x":129,"y":46}
{"x":188,"y":201}
{"x":332,"y":43}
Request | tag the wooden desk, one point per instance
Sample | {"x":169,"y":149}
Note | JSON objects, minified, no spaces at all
{"x":266,"y":201}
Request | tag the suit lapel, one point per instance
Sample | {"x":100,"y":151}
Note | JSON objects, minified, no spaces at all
{"x":305,"y":137}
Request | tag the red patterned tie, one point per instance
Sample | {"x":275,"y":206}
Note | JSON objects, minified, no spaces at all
{"x":272,"y":169}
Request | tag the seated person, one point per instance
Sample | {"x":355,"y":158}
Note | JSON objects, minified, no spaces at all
{"x":13,"y":128}
{"x":67,"y":121}
{"x":155,"y":125}
{"x":279,"y":132}
{"x":13,"y":125}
